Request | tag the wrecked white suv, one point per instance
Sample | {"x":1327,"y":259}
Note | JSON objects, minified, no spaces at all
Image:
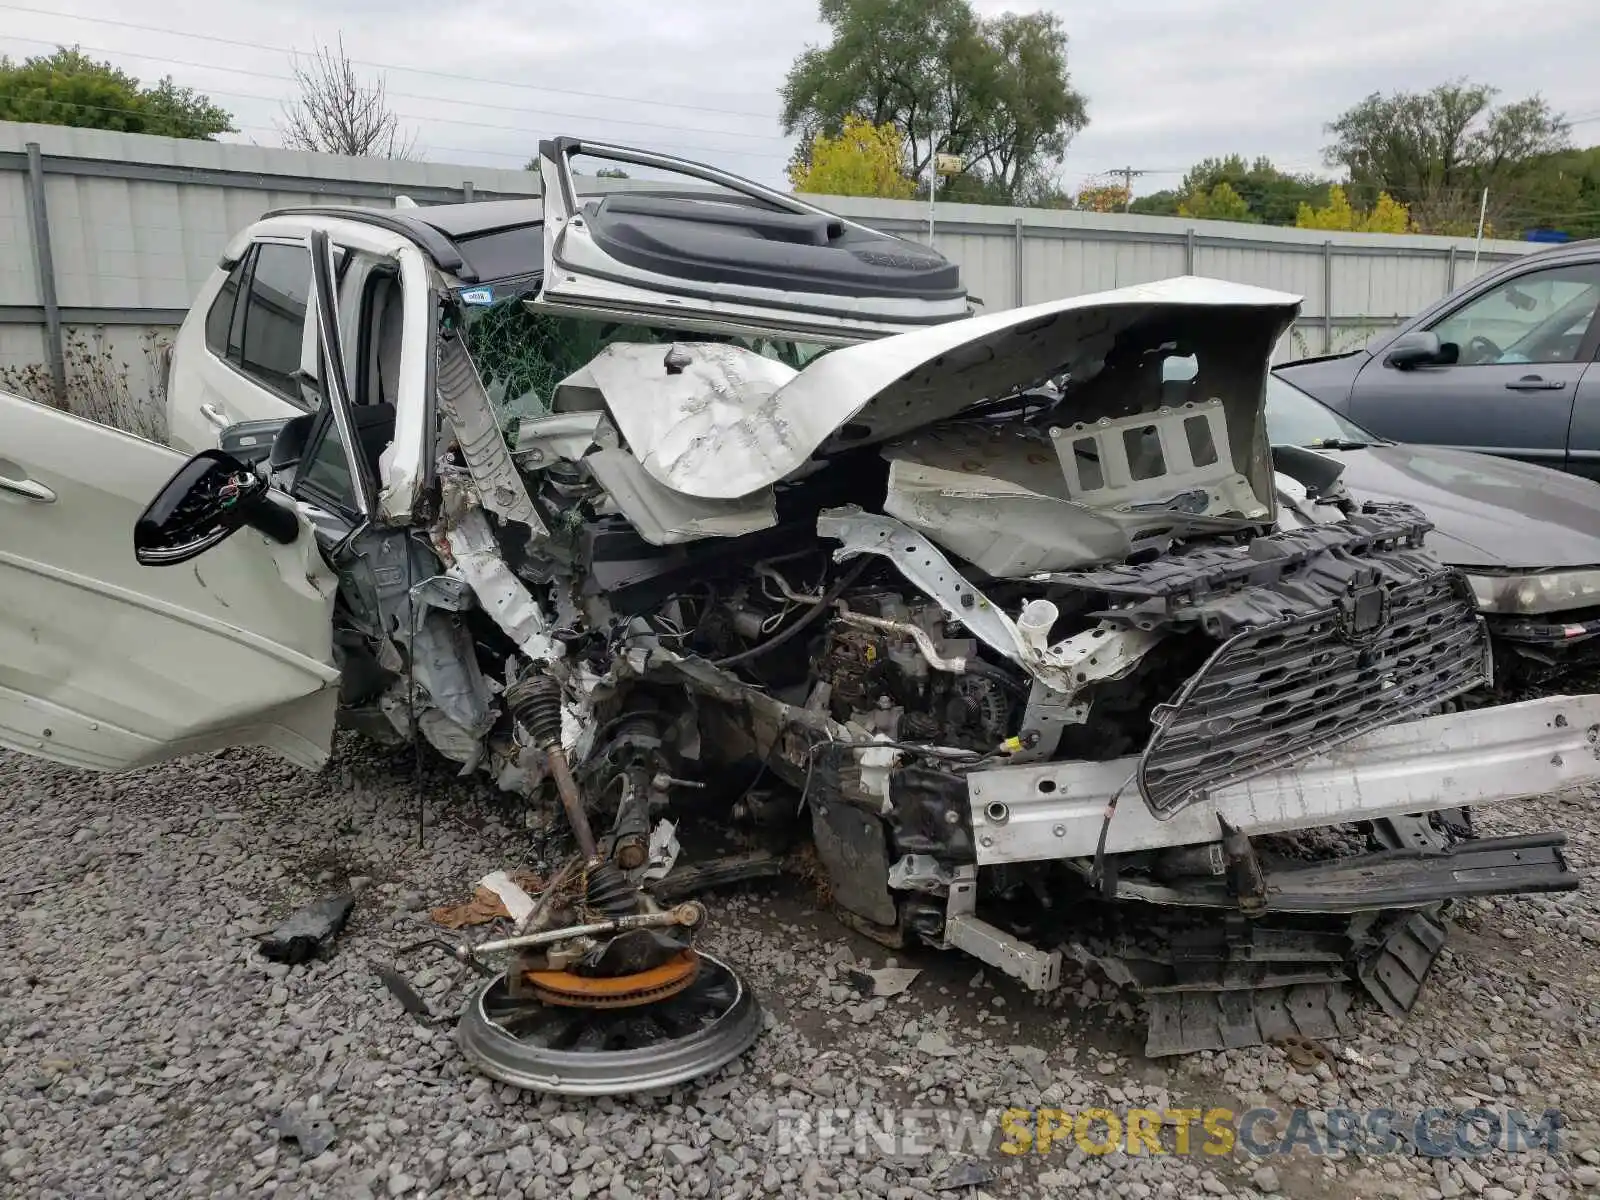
{"x":709,"y":502}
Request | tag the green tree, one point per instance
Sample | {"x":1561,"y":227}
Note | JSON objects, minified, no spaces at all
{"x":70,"y":88}
{"x":1559,"y":191}
{"x":1220,"y":203}
{"x":1437,"y":150}
{"x":995,"y":92}
{"x":1164,"y":203}
{"x":1272,"y":196}
{"x":864,"y":160}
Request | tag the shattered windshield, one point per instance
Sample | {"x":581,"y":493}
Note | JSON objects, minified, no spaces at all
{"x":522,"y":354}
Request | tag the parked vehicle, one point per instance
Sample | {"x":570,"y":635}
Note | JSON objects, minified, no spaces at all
{"x":1526,"y":537}
{"x":1504,"y":365}
{"x":580,"y":500}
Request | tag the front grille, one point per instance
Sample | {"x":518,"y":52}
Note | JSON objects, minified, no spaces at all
{"x":1271,"y":697}
{"x":1327,"y":633}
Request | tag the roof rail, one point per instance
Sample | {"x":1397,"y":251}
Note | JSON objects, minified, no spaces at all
{"x":439,"y":249}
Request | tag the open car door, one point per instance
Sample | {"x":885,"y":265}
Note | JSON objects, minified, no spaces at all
{"x":727,"y":254}
{"x":109,"y":662}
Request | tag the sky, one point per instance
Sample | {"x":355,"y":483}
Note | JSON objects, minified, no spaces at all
{"x":1168,"y":82}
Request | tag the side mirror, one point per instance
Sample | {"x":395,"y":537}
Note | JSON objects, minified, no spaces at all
{"x":1419,"y":348}
{"x":211,"y":496}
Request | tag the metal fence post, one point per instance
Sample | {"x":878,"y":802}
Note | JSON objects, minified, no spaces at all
{"x":1450,"y":271}
{"x":1188,"y":251}
{"x":45,"y":263}
{"x":1018,"y":241}
{"x":1327,"y":296}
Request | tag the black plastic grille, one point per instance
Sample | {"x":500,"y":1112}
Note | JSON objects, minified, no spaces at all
{"x":1275,"y":695}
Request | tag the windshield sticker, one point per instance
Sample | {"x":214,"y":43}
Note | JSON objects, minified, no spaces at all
{"x":477,"y":295}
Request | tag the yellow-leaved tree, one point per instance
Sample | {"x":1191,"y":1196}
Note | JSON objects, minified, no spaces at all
{"x":1388,"y":215}
{"x":1103,"y":197}
{"x":864,"y":160}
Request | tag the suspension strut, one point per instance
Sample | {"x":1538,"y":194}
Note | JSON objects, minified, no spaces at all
{"x":535,"y":703}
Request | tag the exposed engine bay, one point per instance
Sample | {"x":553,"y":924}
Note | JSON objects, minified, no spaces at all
{"x":997,"y":624}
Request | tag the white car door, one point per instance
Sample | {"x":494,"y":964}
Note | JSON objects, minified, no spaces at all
{"x":108,"y":664}
{"x":246,"y":350}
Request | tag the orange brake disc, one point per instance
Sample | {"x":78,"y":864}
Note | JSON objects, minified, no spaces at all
{"x":615,"y":991}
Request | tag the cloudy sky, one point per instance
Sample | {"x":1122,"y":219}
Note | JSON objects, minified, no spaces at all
{"x":1168,"y":81}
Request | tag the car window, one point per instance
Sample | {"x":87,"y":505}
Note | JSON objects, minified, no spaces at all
{"x":274,"y":312}
{"x":1540,"y":317}
{"x":1296,"y":419}
{"x":219,"y":317}
{"x":326,"y":470}
{"x":523,"y":354}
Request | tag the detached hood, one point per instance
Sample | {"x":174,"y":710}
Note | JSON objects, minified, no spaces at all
{"x":719,"y":422}
{"x":1486,"y":511}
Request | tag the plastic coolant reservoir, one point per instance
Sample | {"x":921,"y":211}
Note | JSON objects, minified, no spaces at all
{"x":1034,"y":625}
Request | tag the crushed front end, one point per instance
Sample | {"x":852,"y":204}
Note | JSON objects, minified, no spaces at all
{"x":990,"y":628}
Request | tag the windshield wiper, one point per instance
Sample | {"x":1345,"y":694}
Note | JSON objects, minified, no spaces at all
{"x":1337,"y":444}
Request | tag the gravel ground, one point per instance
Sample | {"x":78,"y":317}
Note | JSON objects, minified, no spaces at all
{"x":149,"y":1050}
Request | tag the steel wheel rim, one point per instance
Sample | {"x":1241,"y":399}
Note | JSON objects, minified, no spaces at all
{"x":601,"y":1052}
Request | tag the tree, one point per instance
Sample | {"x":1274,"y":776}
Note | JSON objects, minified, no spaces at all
{"x":336,"y":113}
{"x":1438,"y":150}
{"x":1102,"y":197}
{"x":70,"y":88}
{"x":604,"y":172}
{"x":1387,"y":215}
{"x":1269,"y":195}
{"x":1164,"y":203}
{"x":1560,"y":192}
{"x":864,"y":160}
{"x":994,"y":92}
{"x":1220,"y":203}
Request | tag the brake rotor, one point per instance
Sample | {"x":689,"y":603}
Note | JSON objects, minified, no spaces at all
{"x":610,"y":1052}
{"x":615,"y":991}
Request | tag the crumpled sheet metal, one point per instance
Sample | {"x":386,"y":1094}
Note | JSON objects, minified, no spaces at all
{"x":665,"y":517}
{"x":705,"y":425}
{"x":464,"y":535}
{"x":924,"y":565}
{"x":482,"y":444}
{"x":861,"y":532}
{"x":719,"y":422}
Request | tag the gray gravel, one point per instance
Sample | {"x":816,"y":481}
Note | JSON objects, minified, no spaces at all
{"x":149,"y":1050}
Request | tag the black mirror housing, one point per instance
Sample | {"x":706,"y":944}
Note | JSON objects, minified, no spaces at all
{"x":1418,"y":348}
{"x":209,"y":498}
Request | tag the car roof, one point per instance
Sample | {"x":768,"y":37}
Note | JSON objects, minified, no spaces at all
{"x":476,"y":243}
{"x":1582,"y":248}
{"x":479,"y":217}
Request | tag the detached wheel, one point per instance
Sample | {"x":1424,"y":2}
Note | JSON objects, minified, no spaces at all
{"x":610,"y":1051}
